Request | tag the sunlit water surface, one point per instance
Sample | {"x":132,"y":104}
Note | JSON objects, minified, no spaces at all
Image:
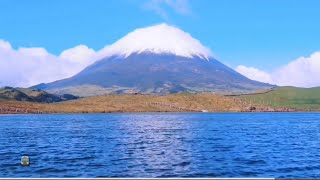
{"x":161,"y":145}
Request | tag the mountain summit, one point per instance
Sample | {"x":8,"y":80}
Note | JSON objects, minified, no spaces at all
{"x":159,"y":59}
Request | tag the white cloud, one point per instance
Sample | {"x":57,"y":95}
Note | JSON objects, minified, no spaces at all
{"x":159,"y":7}
{"x":254,"y":73}
{"x":302,"y":72}
{"x":160,"y":38}
{"x":79,"y":54}
{"x":30,"y":66}
{"x":5,"y":45}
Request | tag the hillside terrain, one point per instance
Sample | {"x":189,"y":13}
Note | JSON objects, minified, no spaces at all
{"x":32,"y":95}
{"x":282,"y":99}
{"x":302,"y":99}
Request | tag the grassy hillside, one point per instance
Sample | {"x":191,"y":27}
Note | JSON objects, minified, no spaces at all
{"x":290,"y":97}
{"x":279,"y":99}
{"x":32,"y":95}
{"x":136,"y":103}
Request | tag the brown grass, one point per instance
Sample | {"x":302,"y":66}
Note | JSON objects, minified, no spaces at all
{"x":136,"y":103}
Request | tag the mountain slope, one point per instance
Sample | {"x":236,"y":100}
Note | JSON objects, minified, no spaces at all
{"x":152,"y":73}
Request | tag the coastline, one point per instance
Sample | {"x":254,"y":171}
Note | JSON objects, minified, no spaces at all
{"x":178,"y":103}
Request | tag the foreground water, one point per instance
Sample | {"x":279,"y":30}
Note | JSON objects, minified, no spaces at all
{"x":161,"y":145}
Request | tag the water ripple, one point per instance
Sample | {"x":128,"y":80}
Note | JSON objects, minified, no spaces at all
{"x":161,"y":145}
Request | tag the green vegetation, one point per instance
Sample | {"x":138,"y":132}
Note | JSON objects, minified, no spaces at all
{"x":304,"y":99}
{"x":31,"y":95}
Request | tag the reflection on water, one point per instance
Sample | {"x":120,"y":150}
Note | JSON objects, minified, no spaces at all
{"x":161,"y":145}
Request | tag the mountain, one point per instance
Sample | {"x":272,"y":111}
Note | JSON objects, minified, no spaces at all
{"x":159,"y":59}
{"x":32,"y":95}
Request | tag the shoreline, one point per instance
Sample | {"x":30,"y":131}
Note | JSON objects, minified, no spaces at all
{"x":160,"y":112}
{"x":126,"y":103}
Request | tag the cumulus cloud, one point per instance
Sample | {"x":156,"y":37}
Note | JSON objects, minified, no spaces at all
{"x":79,"y":54}
{"x":159,"y":7}
{"x":302,"y":72}
{"x":5,"y":45}
{"x":254,"y":73}
{"x":25,"y":67}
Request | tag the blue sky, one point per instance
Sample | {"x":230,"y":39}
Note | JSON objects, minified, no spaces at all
{"x":264,"y":34}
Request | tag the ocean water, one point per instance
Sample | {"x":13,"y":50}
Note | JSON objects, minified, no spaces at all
{"x":161,"y":145}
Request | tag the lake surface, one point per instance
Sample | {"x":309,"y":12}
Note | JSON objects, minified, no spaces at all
{"x":161,"y":145}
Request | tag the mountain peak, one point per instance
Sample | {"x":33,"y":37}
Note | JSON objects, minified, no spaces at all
{"x":161,"y":38}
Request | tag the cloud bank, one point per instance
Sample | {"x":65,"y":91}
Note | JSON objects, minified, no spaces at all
{"x":302,"y":72}
{"x":24,"y":67}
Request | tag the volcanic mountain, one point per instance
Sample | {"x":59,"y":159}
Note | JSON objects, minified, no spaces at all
{"x":159,"y":59}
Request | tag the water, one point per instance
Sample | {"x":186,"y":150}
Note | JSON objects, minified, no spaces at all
{"x":161,"y":145}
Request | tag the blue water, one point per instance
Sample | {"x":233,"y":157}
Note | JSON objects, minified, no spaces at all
{"x":161,"y":145}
